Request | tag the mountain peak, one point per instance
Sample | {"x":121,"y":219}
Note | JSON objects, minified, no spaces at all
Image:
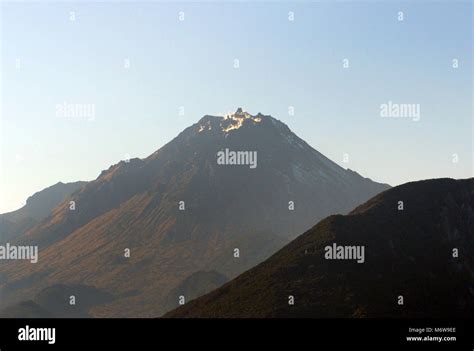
{"x":228,"y":122}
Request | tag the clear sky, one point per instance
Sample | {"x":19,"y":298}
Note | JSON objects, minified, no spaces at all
{"x":48,"y":59}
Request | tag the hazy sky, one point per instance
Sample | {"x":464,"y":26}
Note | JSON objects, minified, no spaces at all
{"x":48,"y":59}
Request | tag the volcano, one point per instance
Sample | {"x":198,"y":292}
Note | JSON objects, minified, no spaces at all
{"x":145,"y":226}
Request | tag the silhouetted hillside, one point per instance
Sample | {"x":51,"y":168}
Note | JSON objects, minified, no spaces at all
{"x":408,"y":254}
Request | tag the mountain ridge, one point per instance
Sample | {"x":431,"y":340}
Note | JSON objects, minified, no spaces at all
{"x":409,"y":254}
{"x":38,"y":206}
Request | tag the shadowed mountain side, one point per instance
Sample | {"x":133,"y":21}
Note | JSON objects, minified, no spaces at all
{"x":38,"y":206}
{"x":408,"y":253}
{"x":11,"y":230}
{"x":25,"y":309}
{"x":59,"y":301}
{"x":71,"y":300}
{"x":197,"y":284}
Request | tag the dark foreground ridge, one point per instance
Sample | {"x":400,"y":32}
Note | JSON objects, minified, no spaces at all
{"x":408,"y":256}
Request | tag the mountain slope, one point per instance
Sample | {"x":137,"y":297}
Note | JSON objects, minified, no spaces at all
{"x":197,"y":284}
{"x":37,"y":207}
{"x":55,"y":301}
{"x":25,"y":309}
{"x":178,"y":212}
{"x":408,"y":253}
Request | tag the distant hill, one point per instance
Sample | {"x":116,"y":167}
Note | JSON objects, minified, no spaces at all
{"x":56,"y":301}
{"x":408,"y":254}
{"x":38,"y":207}
{"x":25,"y":309}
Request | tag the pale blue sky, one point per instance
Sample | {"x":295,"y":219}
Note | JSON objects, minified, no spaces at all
{"x":190,"y":64}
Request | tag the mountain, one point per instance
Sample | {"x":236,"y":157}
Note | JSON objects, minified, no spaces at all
{"x":58,"y":301}
{"x":25,"y":309}
{"x":145,"y":225}
{"x":38,"y":206}
{"x":408,"y":253}
{"x":197,"y":284}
